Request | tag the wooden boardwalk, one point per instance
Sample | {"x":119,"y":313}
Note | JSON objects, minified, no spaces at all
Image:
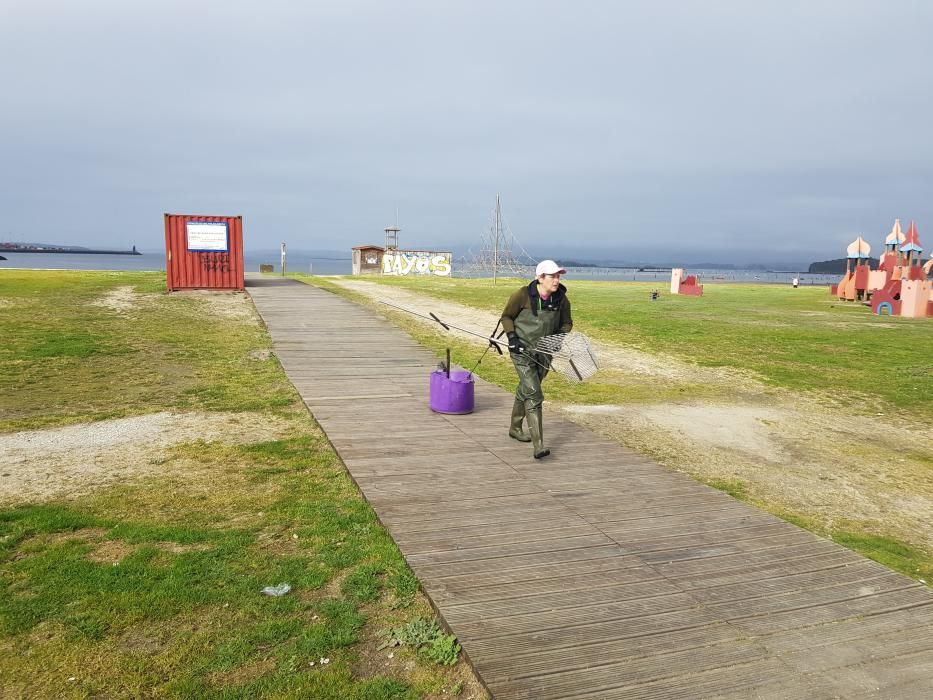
{"x":594,"y":573}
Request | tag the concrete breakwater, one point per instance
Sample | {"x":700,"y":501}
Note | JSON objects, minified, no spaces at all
{"x":68,"y":251}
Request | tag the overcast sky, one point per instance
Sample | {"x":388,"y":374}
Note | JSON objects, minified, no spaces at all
{"x":714,"y":130}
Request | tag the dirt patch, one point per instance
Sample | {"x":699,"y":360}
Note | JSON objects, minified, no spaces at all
{"x":38,"y":465}
{"x":371,"y":661}
{"x":402,"y":663}
{"x":230,"y":305}
{"x":733,"y":428}
{"x":176,"y":548}
{"x":242,"y":674}
{"x":279,"y":541}
{"x":45,"y":632}
{"x":799,"y":456}
{"x":120,"y":300}
{"x":140,"y":643}
{"x":41,"y":542}
{"x":104,"y":551}
{"x":111,"y":552}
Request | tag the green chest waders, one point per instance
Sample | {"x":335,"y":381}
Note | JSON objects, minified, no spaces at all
{"x":532,"y":368}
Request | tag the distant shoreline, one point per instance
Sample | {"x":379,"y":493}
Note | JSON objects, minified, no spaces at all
{"x":70,"y":251}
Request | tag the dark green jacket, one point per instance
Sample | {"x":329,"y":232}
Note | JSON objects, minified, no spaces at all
{"x":532,"y":319}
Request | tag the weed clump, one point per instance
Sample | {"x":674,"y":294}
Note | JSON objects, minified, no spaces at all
{"x":426,"y":638}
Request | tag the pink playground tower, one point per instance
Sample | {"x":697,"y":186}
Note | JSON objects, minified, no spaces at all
{"x":900,"y":286}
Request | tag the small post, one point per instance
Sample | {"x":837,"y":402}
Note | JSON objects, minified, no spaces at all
{"x":283,"y":258}
{"x":448,"y":363}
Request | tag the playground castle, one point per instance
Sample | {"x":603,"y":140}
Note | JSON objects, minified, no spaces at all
{"x":900,"y":286}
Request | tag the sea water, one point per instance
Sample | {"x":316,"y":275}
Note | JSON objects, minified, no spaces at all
{"x":308,"y":263}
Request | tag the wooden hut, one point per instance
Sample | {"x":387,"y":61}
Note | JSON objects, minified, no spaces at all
{"x":367,"y":259}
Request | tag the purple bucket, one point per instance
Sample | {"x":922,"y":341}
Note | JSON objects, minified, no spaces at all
{"x":453,"y":394}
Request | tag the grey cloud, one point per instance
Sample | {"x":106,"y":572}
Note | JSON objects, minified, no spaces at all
{"x":718,"y":127}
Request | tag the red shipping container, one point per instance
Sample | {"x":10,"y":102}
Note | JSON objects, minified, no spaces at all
{"x":203,"y":252}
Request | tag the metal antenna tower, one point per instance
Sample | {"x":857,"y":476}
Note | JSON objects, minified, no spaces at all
{"x":497,"y":253}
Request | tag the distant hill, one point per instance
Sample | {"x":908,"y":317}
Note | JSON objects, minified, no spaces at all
{"x":835,"y":267}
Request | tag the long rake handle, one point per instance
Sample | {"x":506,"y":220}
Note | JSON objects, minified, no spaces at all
{"x":448,"y":326}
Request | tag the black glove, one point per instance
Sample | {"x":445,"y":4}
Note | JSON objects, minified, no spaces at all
{"x":515,"y":345}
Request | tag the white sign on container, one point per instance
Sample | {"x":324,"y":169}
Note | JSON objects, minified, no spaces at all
{"x":207,"y":236}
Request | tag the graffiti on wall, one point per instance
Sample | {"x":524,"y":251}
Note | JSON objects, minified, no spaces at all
{"x":418,"y":262}
{"x":215,"y":262}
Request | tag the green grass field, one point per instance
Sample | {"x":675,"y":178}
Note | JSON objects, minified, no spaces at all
{"x":151,"y":587}
{"x":65,"y":359}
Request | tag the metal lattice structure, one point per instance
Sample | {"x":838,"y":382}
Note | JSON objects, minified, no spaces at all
{"x":500,"y":253}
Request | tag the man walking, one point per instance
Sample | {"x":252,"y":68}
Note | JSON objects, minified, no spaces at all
{"x":541,"y":308}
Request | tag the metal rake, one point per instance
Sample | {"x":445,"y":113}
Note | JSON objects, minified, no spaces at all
{"x":572,"y":355}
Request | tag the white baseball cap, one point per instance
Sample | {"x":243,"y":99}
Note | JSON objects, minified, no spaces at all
{"x":549,"y":267}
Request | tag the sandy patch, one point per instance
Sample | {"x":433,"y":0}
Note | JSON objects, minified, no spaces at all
{"x":120,"y":300}
{"x":802,"y":458}
{"x":746,"y":429}
{"x":111,"y":552}
{"x":229,"y":305}
{"x":41,"y":542}
{"x":279,"y":541}
{"x":241,"y":675}
{"x":141,"y":643}
{"x":115,"y":551}
{"x":40,"y":464}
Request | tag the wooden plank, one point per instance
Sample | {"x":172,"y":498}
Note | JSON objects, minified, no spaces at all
{"x":426,"y":544}
{"x":560,"y":619}
{"x":529,"y":575}
{"x":564,"y":601}
{"x":607,"y":678}
{"x":812,"y":597}
{"x":578,"y":639}
{"x":571,"y":584}
{"x":902,"y":622}
{"x":584,"y":541}
{"x":481,"y":567}
{"x":539,"y":662}
{"x":807,"y":616}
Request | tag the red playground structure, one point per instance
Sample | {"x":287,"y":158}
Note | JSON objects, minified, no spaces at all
{"x":689,"y":285}
{"x":900,"y":286}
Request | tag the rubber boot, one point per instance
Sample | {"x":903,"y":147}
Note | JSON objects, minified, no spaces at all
{"x":536,"y":428}
{"x":518,"y":415}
